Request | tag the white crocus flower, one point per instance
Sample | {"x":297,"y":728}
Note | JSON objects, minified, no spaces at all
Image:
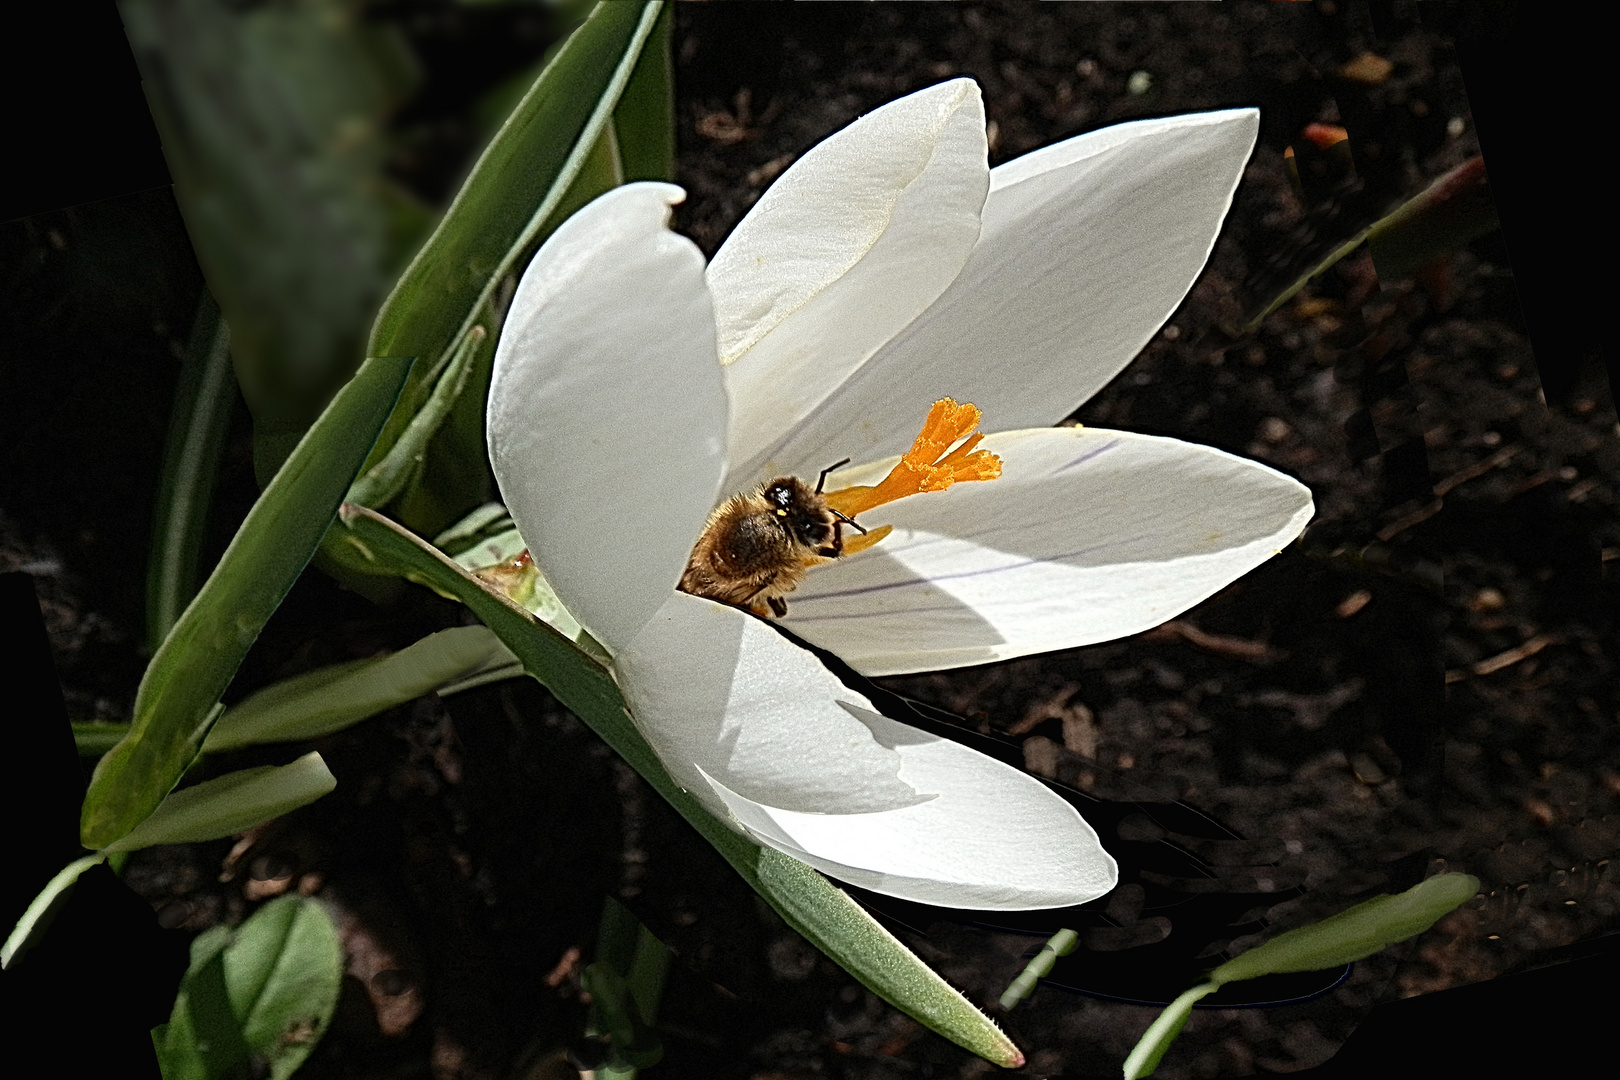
{"x":634,"y":389}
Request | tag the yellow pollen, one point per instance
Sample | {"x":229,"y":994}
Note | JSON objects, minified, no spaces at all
{"x":926,"y":466}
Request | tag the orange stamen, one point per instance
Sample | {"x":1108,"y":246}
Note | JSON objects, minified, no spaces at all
{"x":854,"y":545}
{"x":926,"y":466}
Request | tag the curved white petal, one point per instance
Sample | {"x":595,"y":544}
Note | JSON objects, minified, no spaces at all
{"x":607,"y":415}
{"x":714,"y":689}
{"x":995,"y":838}
{"x":1087,"y":248}
{"x":1089,"y":535}
{"x":847,"y":247}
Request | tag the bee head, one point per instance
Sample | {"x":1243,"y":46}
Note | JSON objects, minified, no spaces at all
{"x":799,"y":510}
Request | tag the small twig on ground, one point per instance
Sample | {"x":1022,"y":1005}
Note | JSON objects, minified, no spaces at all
{"x":1255,"y":652}
{"x":1400,"y":525}
{"x":1477,"y":469}
{"x":1492,"y":664}
{"x":1455,"y":480}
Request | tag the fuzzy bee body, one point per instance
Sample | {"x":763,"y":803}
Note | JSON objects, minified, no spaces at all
{"x":757,"y":546}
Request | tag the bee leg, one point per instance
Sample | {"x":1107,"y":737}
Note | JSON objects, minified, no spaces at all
{"x":751,"y":601}
{"x":836,"y":548}
{"x":845,"y":519}
{"x":779,"y":606}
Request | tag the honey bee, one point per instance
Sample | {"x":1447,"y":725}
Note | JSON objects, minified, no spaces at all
{"x":756,"y":548}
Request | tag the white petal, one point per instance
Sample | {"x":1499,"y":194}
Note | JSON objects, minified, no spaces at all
{"x":1088,"y":247}
{"x":995,"y":838}
{"x":714,"y":689}
{"x":1089,"y":535}
{"x":607,"y":415}
{"x":847,"y":247}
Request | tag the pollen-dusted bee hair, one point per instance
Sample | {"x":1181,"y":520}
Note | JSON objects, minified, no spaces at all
{"x":757,"y":546}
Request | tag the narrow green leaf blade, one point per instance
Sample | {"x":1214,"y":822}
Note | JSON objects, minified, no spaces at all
{"x":1353,"y":934}
{"x":332,"y":698}
{"x":266,"y":990}
{"x":645,"y":118}
{"x":648,"y":970}
{"x":380,"y":483}
{"x":37,"y":916}
{"x":487,"y":519}
{"x":203,"y":404}
{"x":231,"y":803}
{"x":625,"y":983}
{"x":203,"y":1038}
{"x":1151,"y":1047}
{"x":615,"y":1014}
{"x":808,"y":902}
{"x":455,"y":473}
{"x":842,"y":929}
{"x":178,"y":694}
{"x":510,"y":199}
{"x":1454,"y":210}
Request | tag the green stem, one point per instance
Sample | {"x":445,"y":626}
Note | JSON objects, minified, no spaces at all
{"x":1061,"y":943}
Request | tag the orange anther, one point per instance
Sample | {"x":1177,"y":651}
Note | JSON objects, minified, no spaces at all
{"x":930,"y":464}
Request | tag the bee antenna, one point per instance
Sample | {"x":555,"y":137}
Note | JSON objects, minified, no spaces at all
{"x":847,"y":520}
{"x":823,"y":480}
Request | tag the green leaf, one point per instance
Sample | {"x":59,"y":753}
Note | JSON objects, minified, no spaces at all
{"x":1353,"y":934}
{"x":273,"y":118}
{"x":203,"y":404}
{"x":231,"y":804}
{"x":634,"y":1044}
{"x":386,"y":479}
{"x":645,"y":118}
{"x":176,"y":702}
{"x":515,"y":186}
{"x":255,"y":999}
{"x":625,"y":984}
{"x":1337,"y":940}
{"x":456,"y":472}
{"x":808,"y":902}
{"x":94,"y":739}
{"x":634,"y":952}
{"x":37,"y":917}
{"x":332,"y":698}
{"x":485,"y":521}
{"x":1453,"y":211}
{"x":555,"y":151}
{"x":1150,"y":1049}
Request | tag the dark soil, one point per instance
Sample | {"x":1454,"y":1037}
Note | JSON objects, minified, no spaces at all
{"x":1425,"y":681}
